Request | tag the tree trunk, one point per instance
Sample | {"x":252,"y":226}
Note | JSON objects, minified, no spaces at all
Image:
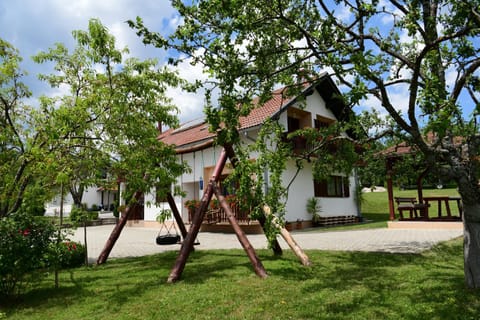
{"x":85,"y":241}
{"x":471,"y":245}
{"x":77,"y":194}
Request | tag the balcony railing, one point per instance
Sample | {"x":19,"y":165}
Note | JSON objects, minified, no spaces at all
{"x":298,"y":144}
{"x":215,"y":214}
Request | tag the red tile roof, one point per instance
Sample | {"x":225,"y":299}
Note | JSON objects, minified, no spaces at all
{"x":196,"y":131}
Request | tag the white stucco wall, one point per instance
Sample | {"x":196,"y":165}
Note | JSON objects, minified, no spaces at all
{"x":151,"y":210}
{"x":302,"y":189}
{"x":91,"y":196}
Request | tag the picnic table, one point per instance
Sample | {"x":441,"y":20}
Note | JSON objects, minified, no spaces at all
{"x":409,"y":204}
{"x":444,"y":201}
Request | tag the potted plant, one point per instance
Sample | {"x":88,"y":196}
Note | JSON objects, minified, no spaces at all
{"x":191,"y":205}
{"x":313,"y":207}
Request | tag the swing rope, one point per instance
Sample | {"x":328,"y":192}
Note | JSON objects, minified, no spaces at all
{"x":169,"y":237}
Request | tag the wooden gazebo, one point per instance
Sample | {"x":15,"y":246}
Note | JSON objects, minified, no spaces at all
{"x":418,"y":210}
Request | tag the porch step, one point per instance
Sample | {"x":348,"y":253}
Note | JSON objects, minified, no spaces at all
{"x":454,"y":225}
{"x":109,"y":220}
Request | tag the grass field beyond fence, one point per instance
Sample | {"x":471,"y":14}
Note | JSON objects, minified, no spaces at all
{"x":220,"y":284}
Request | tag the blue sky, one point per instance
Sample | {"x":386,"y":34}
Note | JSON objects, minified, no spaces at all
{"x":33,"y":26}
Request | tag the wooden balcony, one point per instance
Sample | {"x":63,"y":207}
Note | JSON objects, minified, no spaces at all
{"x":216,"y":215}
{"x":298,"y":144}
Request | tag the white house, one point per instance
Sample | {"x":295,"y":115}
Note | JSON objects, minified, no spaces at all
{"x":194,"y":144}
{"x":91,"y":196}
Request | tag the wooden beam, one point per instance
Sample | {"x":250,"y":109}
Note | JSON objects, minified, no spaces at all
{"x":242,"y":238}
{"x":189,"y":240}
{"x":117,"y":230}
{"x":289,"y":239}
{"x":277,"y":250}
{"x":176,"y":215}
{"x":389,"y":168}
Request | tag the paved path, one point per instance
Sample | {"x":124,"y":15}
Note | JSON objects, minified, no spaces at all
{"x":134,"y":242}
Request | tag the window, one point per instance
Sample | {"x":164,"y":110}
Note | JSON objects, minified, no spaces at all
{"x":293,"y":124}
{"x":322,"y":122}
{"x":334,"y":186}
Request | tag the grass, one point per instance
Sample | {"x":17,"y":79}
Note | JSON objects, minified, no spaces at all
{"x":221,"y":284}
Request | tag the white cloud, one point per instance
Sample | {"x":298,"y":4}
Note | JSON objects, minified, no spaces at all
{"x":190,"y":104}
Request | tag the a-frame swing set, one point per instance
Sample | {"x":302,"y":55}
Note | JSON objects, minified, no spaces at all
{"x":190,"y":236}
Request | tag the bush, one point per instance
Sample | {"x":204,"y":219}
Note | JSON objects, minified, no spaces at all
{"x":71,"y":254}
{"x":25,"y":248}
{"x":93,"y":215}
{"x":78,"y":215}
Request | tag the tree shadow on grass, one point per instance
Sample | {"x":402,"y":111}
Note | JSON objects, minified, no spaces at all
{"x":370,"y":285}
{"x":408,"y":286}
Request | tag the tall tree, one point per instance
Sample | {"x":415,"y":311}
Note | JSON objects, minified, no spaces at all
{"x":110,"y":113}
{"x":417,"y":59}
{"x":20,"y":145}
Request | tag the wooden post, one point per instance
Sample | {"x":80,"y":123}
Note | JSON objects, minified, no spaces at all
{"x":289,"y":239}
{"x":419,"y":184}
{"x":277,"y":250}
{"x":256,"y":263}
{"x":102,"y":258}
{"x":390,"y":188}
{"x":197,"y":221}
{"x":176,"y":215}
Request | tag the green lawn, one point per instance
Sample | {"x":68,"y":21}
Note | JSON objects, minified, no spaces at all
{"x":222,"y":285}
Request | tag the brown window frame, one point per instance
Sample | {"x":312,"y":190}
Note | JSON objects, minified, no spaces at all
{"x":333,"y":187}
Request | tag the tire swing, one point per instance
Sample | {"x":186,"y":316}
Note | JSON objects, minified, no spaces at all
{"x":167,"y":238}
{"x":165,"y":235}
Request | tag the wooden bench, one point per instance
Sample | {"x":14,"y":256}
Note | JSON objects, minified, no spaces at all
{"x":410,"y":204}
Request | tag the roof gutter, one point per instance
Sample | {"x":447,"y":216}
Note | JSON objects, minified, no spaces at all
{"x":196,"y":147}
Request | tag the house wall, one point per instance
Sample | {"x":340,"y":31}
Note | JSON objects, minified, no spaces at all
{"x":90,"y":196}
{"x":151,"y":210}
{"x":313,"y":104}
{"x":302,"y":189}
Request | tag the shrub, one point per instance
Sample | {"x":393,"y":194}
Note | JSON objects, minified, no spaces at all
{"x":93,"y":215}
{"x":25,"y":241}
{"x":79,"y":215}
{"x":71,"y":254}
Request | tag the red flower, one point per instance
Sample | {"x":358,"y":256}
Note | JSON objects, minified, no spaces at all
{"x":25,"y":232}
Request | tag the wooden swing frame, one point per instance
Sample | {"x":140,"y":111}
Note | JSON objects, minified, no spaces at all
{"x":189,"y":237}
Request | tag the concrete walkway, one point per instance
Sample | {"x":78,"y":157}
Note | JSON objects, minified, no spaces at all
{"x":134,"y":242}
